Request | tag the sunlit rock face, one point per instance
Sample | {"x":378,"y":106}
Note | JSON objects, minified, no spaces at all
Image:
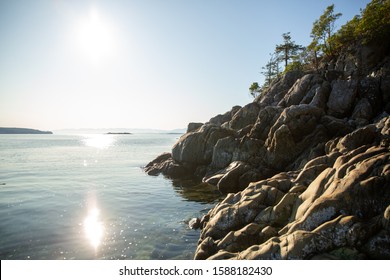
{"x":196,"y":148}
{"x":305,"y":167}
{"x":337,"y":202}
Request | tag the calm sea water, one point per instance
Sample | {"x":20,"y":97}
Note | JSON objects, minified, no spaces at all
{"x":86,"y":197}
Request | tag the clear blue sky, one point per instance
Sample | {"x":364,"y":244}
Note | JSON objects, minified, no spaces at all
{"x":140,"y":63}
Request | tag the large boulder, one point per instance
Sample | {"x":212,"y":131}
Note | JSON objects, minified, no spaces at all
{"x":358,"y":138}
{"x":265,"y":120}
{"x":230,"y":181}
{"x":224,"y":118}
{"x":336,"y":127}
{"x":196,"y":148}
{"x":223,"y":152}
{"x":342,"y":97}
{"x":231,"y":149}
{"x":245,"y":116}
{"x":303,"y":91}
{"x":193,"y":127}
{"x":370,"y":92}
{"x":191,"y":154}
{"x":166,"y":165}
{"x":294,"y":131}
{"x":278,"y":89}
{"x":384,"y":74}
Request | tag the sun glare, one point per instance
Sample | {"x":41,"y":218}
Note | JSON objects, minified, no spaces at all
{"x":93,"y":227}
{"x":99,"y":141}
{"x":95,"y":37}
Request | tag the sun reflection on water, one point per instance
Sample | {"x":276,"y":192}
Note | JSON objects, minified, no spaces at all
{"x":99,"y":141}
{"x":93,"y":227}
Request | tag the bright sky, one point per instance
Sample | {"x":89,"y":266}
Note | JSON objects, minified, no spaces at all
{"x":140,"y":63}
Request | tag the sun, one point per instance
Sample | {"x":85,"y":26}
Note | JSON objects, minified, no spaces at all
{"x":95,"y":37}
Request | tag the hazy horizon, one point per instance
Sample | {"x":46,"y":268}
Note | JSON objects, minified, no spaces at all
{"x":86,"y":130}
{"x":119,"y":129}
{"x":141,"y":64}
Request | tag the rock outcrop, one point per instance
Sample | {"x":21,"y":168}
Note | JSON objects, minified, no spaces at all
{"x":305,"y":168}
{"x":338,"y":201}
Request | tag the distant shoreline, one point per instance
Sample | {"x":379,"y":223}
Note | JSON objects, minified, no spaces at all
{"x":118,"y":130}
{"x":17,"y":130}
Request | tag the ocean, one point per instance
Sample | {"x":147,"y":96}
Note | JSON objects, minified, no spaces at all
{"x":87,"y":197}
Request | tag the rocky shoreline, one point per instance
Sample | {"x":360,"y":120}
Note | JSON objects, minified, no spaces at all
{"x":305,"y":167}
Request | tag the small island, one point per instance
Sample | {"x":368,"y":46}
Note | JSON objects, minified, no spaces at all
{"x":16,"y":130}
{"x":120,"y":133}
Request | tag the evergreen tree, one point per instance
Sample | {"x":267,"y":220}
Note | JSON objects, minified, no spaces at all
{"x":254,"y":89}
{"x":323,"y":29}
{"x":288,"y":49}
{"x":271,"y":70}
{"x":312,"y":51}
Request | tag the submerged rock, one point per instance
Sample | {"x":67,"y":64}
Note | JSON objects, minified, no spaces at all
{"x":194,"y":223}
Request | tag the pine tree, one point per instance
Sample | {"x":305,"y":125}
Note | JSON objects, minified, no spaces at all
{"x":288,"y":49}
{"x":324,"y":28}
{"x":271,"y":70}
{"x":313,"y":50}
{"x":254,"y":89}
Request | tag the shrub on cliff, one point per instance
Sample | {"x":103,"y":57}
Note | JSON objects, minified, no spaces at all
{"x":375,"y":21}
{"x":372,"y":25}
{"x":323,"y":30}
{"x":294,"y":66}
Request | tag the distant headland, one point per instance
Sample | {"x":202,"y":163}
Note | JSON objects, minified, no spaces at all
{"x":17,"y":130}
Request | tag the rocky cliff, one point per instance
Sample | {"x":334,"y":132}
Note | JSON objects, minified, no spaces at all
{"x":305,"y":167}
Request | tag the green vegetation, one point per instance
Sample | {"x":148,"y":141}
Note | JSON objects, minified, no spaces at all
{"x":254,"y":89}
{"x":288,"y":50}
{"x":271,"y":70}
{"x":323,"y":30}
{"x":371,"y":26}
{"x":294,"y":66}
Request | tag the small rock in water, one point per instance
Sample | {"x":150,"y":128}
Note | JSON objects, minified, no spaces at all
{"x":194,"y":223}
